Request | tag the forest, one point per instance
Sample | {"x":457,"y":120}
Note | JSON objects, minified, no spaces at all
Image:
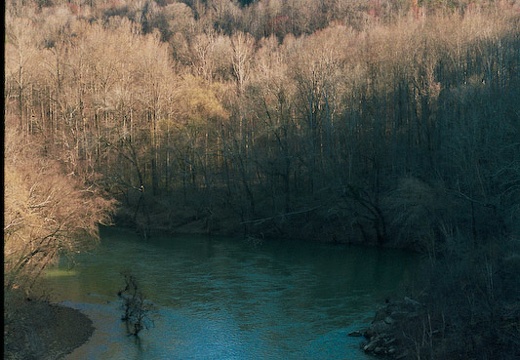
{"x":383,"y":123}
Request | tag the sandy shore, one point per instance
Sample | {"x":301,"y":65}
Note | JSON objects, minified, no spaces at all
{"x":41,"y":330}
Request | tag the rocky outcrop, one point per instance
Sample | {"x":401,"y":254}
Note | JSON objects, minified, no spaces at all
{"x":383,"y":337}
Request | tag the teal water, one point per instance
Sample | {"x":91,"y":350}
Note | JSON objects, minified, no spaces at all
{"x":221,"y":298}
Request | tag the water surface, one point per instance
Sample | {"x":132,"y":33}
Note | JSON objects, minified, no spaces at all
{"x":221,"y":298}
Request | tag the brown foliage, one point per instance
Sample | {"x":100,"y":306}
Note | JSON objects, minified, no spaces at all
{"x":46,"y":212}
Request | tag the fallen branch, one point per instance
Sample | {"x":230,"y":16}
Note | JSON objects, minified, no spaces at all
{"x":259,"y":221}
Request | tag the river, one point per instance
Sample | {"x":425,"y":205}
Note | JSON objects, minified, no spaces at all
{"x":222,"y":298}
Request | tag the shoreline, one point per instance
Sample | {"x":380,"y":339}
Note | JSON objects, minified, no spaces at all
{"x":36,"y":329}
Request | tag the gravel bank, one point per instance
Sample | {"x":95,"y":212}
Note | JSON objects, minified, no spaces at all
{"x":41,"y":330}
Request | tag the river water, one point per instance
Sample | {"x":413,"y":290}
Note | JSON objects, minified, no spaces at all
{"x":222,"y":298}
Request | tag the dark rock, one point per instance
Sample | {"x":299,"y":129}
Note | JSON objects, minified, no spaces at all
{"x":380,"y":327}
{"x":371,"y":345}
{"x":390,"y":341}
{"x":401,"y":356}
{"x":412,"y":315}
{"x":381,"y":314}
{"x":388,"y":320}
{"x":384,"y":334}
{"x":356,"y":333}
{"x":412,"y":302}
{"x":399,"y":314}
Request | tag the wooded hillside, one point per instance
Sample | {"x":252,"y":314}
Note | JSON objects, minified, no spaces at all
{"x":377,"y":122}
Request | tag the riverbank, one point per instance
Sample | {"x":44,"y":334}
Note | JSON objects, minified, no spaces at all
{"x":441,"y":326}
{"x":35,"y":329}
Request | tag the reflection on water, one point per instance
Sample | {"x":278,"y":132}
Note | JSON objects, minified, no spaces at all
{"x":220,"y":298}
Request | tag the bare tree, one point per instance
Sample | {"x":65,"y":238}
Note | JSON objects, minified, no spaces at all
{"x":47,"y":213}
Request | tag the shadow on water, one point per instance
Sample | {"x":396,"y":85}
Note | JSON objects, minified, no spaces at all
{"x":221,"y":298}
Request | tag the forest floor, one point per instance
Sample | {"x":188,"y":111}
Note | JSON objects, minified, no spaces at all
{"x":42,"y":330}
